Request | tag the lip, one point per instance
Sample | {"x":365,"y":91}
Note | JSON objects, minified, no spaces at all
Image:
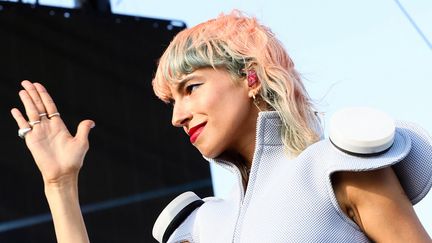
{"x":195,"y":131}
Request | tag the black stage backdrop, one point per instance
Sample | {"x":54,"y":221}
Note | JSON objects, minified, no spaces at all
{"x":98,"y":67}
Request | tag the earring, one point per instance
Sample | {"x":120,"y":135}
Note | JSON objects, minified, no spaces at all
{"x":252,"y":77}
{"x":256,"y":101}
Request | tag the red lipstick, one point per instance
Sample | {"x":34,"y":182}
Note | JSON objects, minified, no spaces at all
{"x":195,"y":131}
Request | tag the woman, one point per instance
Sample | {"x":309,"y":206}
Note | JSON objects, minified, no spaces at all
{"x":235,"y":92}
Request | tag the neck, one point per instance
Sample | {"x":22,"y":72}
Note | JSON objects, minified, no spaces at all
{"x":242,"y":150}
{"x":241,"y":155}
{"x":244,"y":165}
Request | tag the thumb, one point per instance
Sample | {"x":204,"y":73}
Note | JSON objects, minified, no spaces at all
{"x":84,"y":129}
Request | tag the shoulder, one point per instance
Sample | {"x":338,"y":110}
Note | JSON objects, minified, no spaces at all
{"x":176,"y":214}
{"x":375,"y":200}
{"x":354,"y":189}
{"x":357,"y":184}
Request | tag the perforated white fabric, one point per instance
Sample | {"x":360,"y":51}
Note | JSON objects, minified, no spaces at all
{"x":292,"y":200}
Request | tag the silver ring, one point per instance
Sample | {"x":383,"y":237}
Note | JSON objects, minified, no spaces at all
{"x":32,"y":123}
{"x":23,"y":131}
{"x":53,"y":114}
{"x":42,"y":114}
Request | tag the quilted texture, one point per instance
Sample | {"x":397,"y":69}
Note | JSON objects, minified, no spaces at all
{"x":292,"y":200}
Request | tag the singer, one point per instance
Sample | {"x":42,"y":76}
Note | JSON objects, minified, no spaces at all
{"x":237,"y":95}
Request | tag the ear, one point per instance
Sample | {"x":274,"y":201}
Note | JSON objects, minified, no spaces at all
{"x":253,"y":83}
{"x":254,"y":90}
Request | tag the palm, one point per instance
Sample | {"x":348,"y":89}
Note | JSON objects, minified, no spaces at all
{"x":56,"y":152}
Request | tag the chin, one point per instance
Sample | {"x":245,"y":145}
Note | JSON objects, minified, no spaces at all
{"x":208,"y":152}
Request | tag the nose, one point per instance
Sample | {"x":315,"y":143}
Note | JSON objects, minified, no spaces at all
{"x":181,"y":114}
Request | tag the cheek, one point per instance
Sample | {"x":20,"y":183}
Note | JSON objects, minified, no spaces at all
{"x":229,"y":107}
{"x":228,"y":120}
{"x":228,"y":99}
{"x":227,"y":110}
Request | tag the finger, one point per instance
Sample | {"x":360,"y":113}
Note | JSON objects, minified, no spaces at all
{"x":48,"y":102}
{"x":31,"y":110}
{"x":19,"y":118}
{"x":31,"y":90}
{"x":84,"y":129}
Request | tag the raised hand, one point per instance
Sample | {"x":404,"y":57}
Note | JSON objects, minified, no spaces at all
{"x":58,"y":155}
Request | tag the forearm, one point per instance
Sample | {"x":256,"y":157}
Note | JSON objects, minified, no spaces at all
{"x":66,"y":212}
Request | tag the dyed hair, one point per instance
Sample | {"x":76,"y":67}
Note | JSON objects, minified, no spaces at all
{"x":238,"y":43}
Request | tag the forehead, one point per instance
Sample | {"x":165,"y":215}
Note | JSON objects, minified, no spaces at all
{"x":174,"y":87}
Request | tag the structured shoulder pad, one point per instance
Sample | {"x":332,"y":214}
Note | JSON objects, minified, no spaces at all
{"x":362,"y":131}
{"x":415,"y":170}
{"x":174,"y":214}
{"x":410,"y":156}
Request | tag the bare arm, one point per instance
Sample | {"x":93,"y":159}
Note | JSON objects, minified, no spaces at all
{"x":66,"y":212}
{"x":376,"y":201}
{"x":59,"y":157}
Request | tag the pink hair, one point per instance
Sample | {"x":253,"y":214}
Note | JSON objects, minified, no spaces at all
{"x":237,"y":43}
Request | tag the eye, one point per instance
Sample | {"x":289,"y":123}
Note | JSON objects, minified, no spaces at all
{"x":191,"y":87}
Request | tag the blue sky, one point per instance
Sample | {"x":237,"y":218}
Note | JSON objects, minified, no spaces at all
{"x":350,"y":53}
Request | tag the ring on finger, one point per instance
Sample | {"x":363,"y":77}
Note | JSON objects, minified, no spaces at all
{"x":23,"y":131}
{"x":32,"y":123}
{"x":42,"y":114}
{"x":53,"y":115}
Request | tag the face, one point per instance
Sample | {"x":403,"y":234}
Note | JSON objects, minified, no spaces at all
{"x":215,"y":111}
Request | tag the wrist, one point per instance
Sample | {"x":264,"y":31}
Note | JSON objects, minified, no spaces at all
{"x":63,"y":184}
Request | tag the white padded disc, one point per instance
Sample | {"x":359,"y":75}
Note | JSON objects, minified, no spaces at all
{"x":170,"y":211}
{"x":362,"y":130}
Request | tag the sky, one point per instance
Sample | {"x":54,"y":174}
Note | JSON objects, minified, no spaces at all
{"x":350,"y":53}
